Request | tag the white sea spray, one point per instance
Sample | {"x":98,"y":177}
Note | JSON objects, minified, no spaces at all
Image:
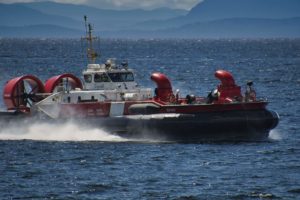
{"x":69,"y":131}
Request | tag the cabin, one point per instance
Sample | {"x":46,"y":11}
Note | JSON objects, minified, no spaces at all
{"x":108,"y":77}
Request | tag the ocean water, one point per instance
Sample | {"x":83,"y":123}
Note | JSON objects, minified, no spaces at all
{"x":46,"y":161}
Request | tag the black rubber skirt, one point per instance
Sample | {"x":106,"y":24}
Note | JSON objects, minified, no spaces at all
{"x":253,"y":125}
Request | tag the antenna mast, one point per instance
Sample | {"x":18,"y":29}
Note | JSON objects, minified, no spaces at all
{"x":91,"y":53}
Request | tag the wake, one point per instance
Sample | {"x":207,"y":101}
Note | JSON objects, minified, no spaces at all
{"x":275,"y":135}
{"x":69,"y":131}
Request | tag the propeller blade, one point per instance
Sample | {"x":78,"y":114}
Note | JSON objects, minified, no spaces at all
{"x":33,"y":89}
{"x":30,"y":103}
{"x":25,"y":102}
{"x":32,"y":98}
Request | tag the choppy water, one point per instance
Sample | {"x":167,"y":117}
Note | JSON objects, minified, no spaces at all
{"x":68,"y":162}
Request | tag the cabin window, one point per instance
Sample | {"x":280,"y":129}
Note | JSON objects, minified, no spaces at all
{"x":88,"y":78}
{"x":101,"y":78}
{"x":127,"y":77}
{"x":121,"y":77}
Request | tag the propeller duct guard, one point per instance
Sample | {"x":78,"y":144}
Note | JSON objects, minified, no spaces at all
{"x":66,"y":81}
{"x":20,"y":92}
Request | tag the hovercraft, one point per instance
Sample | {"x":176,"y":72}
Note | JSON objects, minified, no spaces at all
{"x":109,"y":97}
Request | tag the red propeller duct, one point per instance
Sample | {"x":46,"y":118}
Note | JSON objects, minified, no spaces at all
{"x":20,"y":92}
{"x":67,"y":81}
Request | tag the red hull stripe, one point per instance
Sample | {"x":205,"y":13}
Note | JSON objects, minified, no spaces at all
{"x":103,"y":109}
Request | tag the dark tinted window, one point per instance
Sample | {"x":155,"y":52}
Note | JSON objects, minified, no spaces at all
{"x":121,"y":77}
{"x":87,"y":78}
{"x":101,"y":78}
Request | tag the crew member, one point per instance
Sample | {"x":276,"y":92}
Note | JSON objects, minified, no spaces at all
{"x":250,"y":94}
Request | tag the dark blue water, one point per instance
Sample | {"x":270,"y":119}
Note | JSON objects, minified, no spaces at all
{"x":67,"y":162}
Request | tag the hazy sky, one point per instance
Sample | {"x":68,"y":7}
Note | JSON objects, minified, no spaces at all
{"x":124,"y":4}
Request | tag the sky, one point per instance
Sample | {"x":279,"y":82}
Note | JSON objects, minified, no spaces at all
{"x":124,"y":4}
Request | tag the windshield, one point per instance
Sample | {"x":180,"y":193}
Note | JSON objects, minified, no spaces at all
{"x":121,"y":77}
{"x":87,"y":78}
{"x":101,"y":78}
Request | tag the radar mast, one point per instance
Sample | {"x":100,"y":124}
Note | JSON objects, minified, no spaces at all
{"x":91,"y":53}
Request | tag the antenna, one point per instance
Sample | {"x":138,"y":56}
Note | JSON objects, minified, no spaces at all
{"x":91,"y":53}
{"x":85,"y":23}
